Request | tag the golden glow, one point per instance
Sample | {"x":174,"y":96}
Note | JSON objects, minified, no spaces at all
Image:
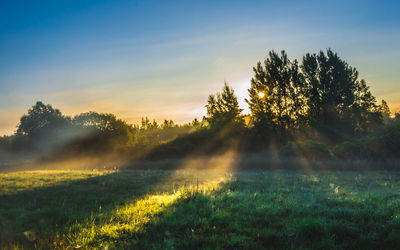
{"x":133,"y":217}
{"x":261,"y":94}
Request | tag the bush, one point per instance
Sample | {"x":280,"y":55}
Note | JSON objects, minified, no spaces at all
{"x":382,"y":144}
{"x":387,"y":141}
{"x":354,"y":150}
{"x":308,"y":149}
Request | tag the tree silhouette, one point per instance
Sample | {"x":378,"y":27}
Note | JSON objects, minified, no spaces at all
{"x":276,"y":99}
{"x":330,"y":85}
{"x":104,"y":130}
{"x":320,"y":99}
{"x":385,"y":111}
{"x":223,"y":109}
{"x":366,"y":115}
{"x":168,"y":124}
{"x":196,"y":123}
{"x":41,"y":118}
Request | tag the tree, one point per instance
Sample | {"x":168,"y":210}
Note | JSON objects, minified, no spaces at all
{"x":196,"y":123}
{"x":223,"y":109}
{"x":275,"y":97}
{"x":146,"y":124}
{"x":168,"y":124}
{"x":366,"y":115}
{"x":385,"y":110}
{"x":104,"y":130}
{"x":101,"y":121}
{"x":40,"y":119}
{"x":330,"y":85}
{"x":396,"y":117}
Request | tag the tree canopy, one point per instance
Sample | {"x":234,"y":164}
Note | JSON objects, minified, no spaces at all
{"x":40,"y":118}
{"x":276,"y":97}
{"x":323,"y":95}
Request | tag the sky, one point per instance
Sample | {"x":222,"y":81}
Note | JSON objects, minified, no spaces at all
{"x":162,"y":59}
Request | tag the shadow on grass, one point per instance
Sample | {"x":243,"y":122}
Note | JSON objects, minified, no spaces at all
{"x":280,"y":210}
{"x":48,"y":210}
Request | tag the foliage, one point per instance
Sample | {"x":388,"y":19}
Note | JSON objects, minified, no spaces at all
{"x":338,"y":103}
{"x":41,"y":131}
{"x":322,"y":95}
{"x":396,"y":117}
{"x":146,"y":124}
{"x":275,"y":96}
{"x":367,"y":116}
{"x":383,"y":144}
{"x":168,"y":124}
{"x":352,"y":150}
{"x":347,"y":151}
{"x":45,"y":133}
{"x":202,"y":142}
{"x":307,"y":149}
{"x":101,"y":131}
{"x":321,"y":98}
{"x":40,"y":119}
{"x":223,"y":109}
{"x":384,"y":109}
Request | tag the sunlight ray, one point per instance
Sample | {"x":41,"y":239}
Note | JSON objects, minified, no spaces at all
{"x":125,"y":221}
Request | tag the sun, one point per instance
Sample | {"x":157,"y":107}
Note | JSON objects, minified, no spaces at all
{"x":261,"y":94}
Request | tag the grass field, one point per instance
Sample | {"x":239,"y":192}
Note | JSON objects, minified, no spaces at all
{"x":166,"y":209}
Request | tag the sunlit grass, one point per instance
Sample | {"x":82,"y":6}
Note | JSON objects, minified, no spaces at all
{"x":122,"y":224}
{"x":27,"y":180}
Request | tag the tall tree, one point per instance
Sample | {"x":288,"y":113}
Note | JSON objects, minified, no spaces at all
{"x":275,"y":97}
{"x":330,"y":85}
{"x":385,"y":110}
{"x":223,"y":109}
{"x":366,"y":115}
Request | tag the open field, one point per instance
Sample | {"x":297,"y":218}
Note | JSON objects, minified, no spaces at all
{"x":187,"y":209}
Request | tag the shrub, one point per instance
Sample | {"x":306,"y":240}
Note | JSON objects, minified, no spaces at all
{"x":387,"y":141}
{"x":382,"y":144}
{"x":307,"y":149}
{"x":352,"y":150}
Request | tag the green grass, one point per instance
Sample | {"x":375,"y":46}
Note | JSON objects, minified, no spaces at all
{"x":165,"y":209}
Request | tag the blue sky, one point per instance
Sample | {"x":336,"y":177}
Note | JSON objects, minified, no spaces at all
{"x":163,"y":58}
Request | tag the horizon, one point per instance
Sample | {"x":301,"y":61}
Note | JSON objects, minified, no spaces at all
{"x":138,"y":59}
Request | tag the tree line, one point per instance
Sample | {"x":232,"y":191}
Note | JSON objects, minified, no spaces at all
{"x":320,"y":98}
{"x":44,"y":131}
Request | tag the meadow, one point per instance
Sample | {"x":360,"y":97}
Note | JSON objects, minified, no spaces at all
{"x":199,"y":209}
